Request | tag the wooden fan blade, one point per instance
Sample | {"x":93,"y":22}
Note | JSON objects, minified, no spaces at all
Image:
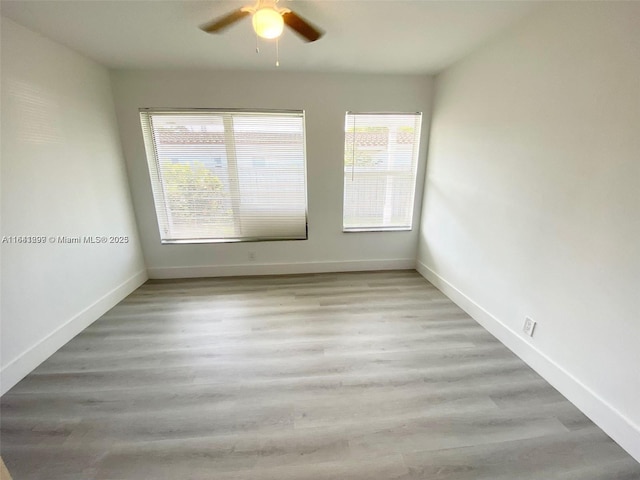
{"x":308,"y":32}
{"x":218,"y":24}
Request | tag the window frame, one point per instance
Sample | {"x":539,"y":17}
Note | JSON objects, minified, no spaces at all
{"x":418,"y":134}
{"x":154,"y":169}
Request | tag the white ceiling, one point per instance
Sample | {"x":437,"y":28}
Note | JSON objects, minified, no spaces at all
{"x":391,"y":36}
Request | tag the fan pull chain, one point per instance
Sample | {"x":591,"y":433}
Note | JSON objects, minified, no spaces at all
{"x":257,"y":44}
{"x":277,"y":52}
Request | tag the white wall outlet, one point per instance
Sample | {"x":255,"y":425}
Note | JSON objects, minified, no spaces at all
{"x":529,"y":326}
{"x":252,"y":256}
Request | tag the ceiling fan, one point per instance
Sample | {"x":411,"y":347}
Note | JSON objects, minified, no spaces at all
{"x":268,"y":21}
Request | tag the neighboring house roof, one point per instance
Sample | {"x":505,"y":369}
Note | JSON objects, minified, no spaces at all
{"x":378,"y":139}
{"x":217,"y":138}
{"x":363,"y":139}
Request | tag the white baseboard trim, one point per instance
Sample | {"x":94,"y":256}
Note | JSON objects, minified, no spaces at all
{"x":26,"y":362}
{"x":280,"y":268}
{"x":620,"y":428}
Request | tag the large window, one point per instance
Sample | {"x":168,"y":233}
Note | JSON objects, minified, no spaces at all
{"x":380,"y":163}
{"x":227,"y":175}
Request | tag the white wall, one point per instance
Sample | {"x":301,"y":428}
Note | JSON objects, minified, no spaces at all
{"x":62,"y":175}
{"x":532,"y":200}
{"x":325,"y":99}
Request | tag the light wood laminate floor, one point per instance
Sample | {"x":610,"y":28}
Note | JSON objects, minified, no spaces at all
{"x":349,"y":376}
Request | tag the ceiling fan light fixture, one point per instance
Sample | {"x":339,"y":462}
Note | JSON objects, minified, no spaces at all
{"x":268,"y":23}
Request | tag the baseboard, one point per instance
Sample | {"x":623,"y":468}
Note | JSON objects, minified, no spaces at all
{"x":26,"y":362}
{"x":620,"y":428}
{"x":279,"y":268}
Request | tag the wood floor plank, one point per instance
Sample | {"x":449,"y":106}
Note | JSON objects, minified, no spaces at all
{"x":359,"y":375}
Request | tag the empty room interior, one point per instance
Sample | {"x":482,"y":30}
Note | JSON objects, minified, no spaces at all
{"x":320,"y":240}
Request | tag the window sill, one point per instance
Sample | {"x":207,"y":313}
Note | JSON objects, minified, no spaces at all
{"x":376,"y":229}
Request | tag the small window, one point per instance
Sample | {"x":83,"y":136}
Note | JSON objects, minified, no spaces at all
{"x":380,"y":164}
{"x":227,"y":176}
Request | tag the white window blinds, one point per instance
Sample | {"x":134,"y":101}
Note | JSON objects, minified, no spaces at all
{"x":227,"y":175}
{"x":380,"y":163}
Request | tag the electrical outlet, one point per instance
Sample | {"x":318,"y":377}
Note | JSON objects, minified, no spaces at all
{"x":529,"y":326}
{"x":252,"y":256}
